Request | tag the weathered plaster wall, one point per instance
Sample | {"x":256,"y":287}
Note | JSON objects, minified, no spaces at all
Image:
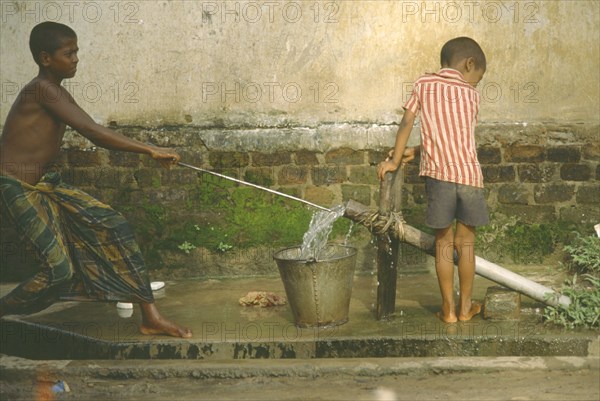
{"x":268,"y":63}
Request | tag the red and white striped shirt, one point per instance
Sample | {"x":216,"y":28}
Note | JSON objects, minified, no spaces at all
{"x":448,"y":106}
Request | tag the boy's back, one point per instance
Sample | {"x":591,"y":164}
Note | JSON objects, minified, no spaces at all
{"x":448,"y":106}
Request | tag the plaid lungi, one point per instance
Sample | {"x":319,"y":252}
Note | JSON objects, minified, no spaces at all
{"x":87,"y":250}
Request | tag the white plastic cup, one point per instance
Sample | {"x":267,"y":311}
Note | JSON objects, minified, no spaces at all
{"x":124,"y":309}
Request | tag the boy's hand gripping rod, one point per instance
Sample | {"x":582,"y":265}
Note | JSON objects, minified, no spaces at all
{"x":253,"y":185}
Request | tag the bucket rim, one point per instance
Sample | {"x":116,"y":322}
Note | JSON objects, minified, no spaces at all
{"x":352,"y":252}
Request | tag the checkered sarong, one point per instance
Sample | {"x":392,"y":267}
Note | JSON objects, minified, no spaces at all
{"x":87,"y":251}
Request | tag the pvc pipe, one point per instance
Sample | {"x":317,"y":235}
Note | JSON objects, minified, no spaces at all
{"x":518,"y":283}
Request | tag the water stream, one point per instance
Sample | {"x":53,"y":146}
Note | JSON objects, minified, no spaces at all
{"x":315,"y":238}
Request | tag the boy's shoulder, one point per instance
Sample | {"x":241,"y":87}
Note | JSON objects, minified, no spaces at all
{"x":43,"y":84}
{"x":42,"y":90}
{"x":445,"y":75}
{"x":428,"y":77}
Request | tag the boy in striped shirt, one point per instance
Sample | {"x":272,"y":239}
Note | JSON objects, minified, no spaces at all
{"x":448,"y":105}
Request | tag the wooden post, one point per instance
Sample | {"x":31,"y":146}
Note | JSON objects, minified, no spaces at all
{"x":390,"y":200}
{"x":356,"y":211}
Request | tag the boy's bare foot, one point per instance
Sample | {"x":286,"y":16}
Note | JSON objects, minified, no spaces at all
{"x":164,"y":326}
{"x":447,"y":315}
{"x":154,"y":323}
{"x":472,"y":311}
{"x":446,"y":319}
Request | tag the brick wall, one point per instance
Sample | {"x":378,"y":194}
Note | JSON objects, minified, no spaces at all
{"x":538,"y":173}
{"x":544,"y":183}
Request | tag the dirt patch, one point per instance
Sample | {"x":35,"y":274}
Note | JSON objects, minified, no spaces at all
{"x":505,"y":385}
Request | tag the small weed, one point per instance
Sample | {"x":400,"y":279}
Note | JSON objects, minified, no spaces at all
{"x":584,"y":311}
{"x":186,"y":247}
{"x":223,"y":247}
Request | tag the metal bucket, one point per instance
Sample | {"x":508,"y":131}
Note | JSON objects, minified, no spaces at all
{"x":319,"y":291}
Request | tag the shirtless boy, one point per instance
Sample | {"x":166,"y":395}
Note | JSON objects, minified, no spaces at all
{"x":87,"y":250}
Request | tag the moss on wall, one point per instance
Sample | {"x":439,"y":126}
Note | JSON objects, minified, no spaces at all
{"x":221,"y":216}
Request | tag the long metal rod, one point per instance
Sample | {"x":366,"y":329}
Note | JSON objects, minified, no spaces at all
{"x":253,"y":185}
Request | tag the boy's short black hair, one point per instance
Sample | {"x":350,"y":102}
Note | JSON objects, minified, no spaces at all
{"x":48,"y":36}
{"x":460,"y":48}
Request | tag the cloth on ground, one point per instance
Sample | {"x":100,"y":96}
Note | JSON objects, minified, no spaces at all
{"x":262,"y":299}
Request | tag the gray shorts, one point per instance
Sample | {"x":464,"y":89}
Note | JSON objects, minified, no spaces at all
{"x":447,"y":201}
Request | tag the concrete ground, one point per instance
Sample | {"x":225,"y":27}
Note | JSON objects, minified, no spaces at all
{"x":257,"y":353}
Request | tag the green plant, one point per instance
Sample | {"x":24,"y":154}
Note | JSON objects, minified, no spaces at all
{"x":584,"y":253}
{"x":223,"y":247}
{"x":186,"y":247}
{"x":584,"y":310}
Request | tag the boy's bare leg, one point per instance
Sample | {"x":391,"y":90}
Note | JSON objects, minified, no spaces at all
{"x":444,"y":267}
{"x":464,"y":241}
{"x":154,"y":323}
